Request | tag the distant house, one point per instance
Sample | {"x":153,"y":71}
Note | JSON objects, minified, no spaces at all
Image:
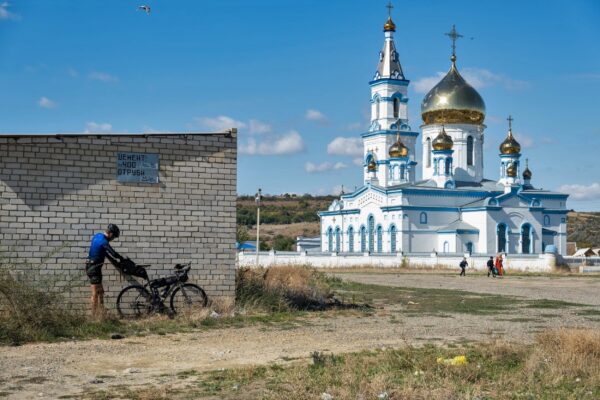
{"x":585,"y":252}
{"x":310,"y":245}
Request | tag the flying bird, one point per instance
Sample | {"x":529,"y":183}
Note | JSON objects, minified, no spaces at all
{"x":144,"y":8}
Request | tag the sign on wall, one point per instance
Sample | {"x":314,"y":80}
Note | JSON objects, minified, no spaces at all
{"x":137,"y":167}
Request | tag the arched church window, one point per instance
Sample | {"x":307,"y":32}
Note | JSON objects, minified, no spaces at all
{"x":396,"y":107}
{"x":501,"y":238}
{"x":447,"y":167}
{"x":446,"y":247}
{"x":379,"y":239}
{"x":371,"y":232}
{"x":428,"y":152}
{"x":330,"y":240}
{"x":338,"y":243}
{"x":363,"y":239}
{"x":470,"y":150}
{"x":526,"y":239}
{"x":423,"y":218}
{"x":351,"y":239}
{"x":393,"y":238}
{"x":546,"y":220}
{"x":402,"y":172}
{"x":377,"y":108}
{"x":469,"y":247}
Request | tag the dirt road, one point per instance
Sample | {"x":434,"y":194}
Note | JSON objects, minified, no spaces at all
{"x":47,"y":371}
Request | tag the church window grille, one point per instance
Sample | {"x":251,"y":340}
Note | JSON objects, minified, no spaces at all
{"x":393,"y":238}
{"x":501,"y":241}
{"x":363,"y":239}
{"x":470,"y":150}
{"x":526,"y":239}
{"x":337,"y":239}
{"x":379,"y":239}
{"x":448,"y":167}
{"x":546,"y":220}
{"x":330,"y":240}
{"x":372,"y":234}
{"x":396,"y":107}
{"x":469,"y":247}
{"x":428,"y":152}
{"x":402,"y":172}
{"x":351,"y":240}
{"x":423,"y":218}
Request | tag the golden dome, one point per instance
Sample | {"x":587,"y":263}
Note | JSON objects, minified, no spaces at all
{"x":511,"y":171}
{"x":398,"y":149}
{"x":453,"y":101}
{"x":389,"y":25}
{"x":527,"y":173}
{"x":510,"y":145}
{"x":372,"y":166}
{"x":442,"y":141}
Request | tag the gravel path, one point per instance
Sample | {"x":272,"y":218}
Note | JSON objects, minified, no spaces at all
{"x":47,"y":371}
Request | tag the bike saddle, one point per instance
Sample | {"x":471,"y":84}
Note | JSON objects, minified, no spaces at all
{"x":179,"y":266}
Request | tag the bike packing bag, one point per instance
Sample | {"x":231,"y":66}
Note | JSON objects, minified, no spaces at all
{"x":160,"y":282}
{"x":128,"y":267}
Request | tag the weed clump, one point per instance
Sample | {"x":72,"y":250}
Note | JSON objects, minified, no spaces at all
{"x":282,"y":288}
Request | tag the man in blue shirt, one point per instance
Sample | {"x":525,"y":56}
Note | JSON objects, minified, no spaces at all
{"x":100,"y":249}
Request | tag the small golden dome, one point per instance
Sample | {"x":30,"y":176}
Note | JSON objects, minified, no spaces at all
{"x":453,"y":101}
{"x":511,"y":171}
{"x":389,"y":25}
{"x":442,"y":141}
{"x":398,"y":149}
{"x":527,"y":173}
{"x":372,"y":166}
{"x":510,"y":145}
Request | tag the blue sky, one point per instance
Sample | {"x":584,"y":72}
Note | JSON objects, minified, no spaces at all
{"x":293,"y":76}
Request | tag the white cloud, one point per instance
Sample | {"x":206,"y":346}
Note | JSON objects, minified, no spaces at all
{"x":323,"y":167}
{"x":359,"y":162}
{"x":289,"y":143}
{"x":354,"y":126}
{"x":102,"y":77}
{"x":45,"y":102}
{"x":582,"y":192}
{"x":258,"y":127}
{"x":220,"y":123}
{"x":94,"y":127}
{"x":344,"y":146}
{"x":476,"y":77}
{"x":315,"y":115}
{"x":73,"y":73}
{"x":5,"y":14}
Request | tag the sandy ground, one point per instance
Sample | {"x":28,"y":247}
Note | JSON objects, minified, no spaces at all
{"x":47,"y":371}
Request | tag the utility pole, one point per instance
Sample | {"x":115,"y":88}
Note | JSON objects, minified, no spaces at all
{"x":258,"y":198}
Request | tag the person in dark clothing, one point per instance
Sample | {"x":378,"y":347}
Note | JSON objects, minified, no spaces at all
{"x":463,"y":265}
{"x":100,"y":249}
{"x":490,"y":266}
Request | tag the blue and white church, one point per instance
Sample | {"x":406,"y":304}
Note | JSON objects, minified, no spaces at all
{"x":453,"y":209}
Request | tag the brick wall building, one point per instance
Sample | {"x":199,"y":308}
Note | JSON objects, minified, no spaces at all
{"x":56,"y":191}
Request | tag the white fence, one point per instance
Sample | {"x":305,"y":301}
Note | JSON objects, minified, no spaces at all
{"x":515,"y":262}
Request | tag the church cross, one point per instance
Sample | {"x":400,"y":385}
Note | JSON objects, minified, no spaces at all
{"x":389,"y":7}
{"x":454,"y":36}
{"x":510,"y":120}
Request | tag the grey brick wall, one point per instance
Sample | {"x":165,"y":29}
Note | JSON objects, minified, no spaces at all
{"x":57,"y":191}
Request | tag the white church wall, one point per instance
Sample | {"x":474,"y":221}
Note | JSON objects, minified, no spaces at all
{"x":512,"y":262}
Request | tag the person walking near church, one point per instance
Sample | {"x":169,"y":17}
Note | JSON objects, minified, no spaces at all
{"x":499,"y":264}
{"x":463,"y":265}
{"x":490,"y":267}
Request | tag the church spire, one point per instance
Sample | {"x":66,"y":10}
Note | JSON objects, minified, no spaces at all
{"x":389,"y":62}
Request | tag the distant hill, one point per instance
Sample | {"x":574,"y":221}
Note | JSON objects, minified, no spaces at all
{"x":287,"y":216}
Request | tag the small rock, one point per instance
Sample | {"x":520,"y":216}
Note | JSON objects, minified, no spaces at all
{"x":326,"y":396}
{"x":214,"y":314}
{"x":383,"y":396}
{"x":117,"y":336}
{"x":235,"y":387}
{"x":131,"y":371}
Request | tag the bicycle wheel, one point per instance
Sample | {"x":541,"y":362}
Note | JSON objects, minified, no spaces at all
{"x":134,"y":302}
{"x":188,"y":298}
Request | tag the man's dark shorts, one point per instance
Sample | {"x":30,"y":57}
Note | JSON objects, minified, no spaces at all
{"x":94,"y":272}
